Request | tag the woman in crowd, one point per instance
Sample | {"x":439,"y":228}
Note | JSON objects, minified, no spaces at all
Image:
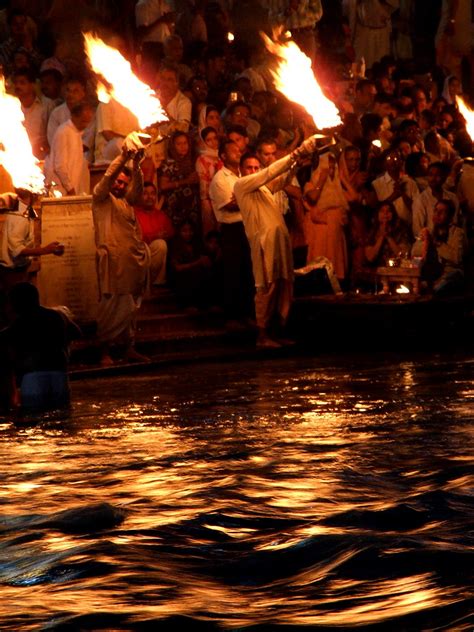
{"x":179,"y":181}
{"x":389,"y":238}
{"x":207,"y":164}
{"x":325,"y":222}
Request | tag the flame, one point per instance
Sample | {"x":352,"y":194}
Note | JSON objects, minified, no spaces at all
{"x":403,"y":290}
{"x":102,"y":93}
{"x":468,"y":115}
{"x":230,"y":37}
{"x":295,"y":79}
{"x":16,"y":155}
{"x":125,"y":88}
{"x":377,"y":143}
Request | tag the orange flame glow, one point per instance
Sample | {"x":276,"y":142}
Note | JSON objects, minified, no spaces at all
{"x":468,"y":115}
{"x":403,"y":290}
{"x":16,"y":155}
{"x":295,"y":79}
{"x":126,"y":88}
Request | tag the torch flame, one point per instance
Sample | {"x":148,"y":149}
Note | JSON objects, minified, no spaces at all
{"x":468,"y":114}
{"x":16,"y":155}
{"x":295,"y":79}
{"x":403,"y":290}
{"x":126,"y":88}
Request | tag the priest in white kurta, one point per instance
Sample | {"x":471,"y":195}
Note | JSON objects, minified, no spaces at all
{"x":66,"y":167}
{"x":270,"y":243}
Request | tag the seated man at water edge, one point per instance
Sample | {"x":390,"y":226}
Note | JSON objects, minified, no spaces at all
{"x":156,"y":229}
{"x":270,"y":243}
{"x":37,"y":343}
{"x":123,"y":258}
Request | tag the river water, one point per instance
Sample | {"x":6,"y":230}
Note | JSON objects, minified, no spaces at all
{"x":306,"y":493}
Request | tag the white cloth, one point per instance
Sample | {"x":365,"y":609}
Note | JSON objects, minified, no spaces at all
{"x":112,"y":117}
{"x":36,"y":120}
{"x":66,"y":164}
{"x":179,"y":109}
{"x":269,"y":240}
{"x":17,"y":234}
{"x":384,"y":186}
{"x":146,"y":12}
{"x":423,"y":207}
{"x":60,"y":115}
{"x":221,"y":191}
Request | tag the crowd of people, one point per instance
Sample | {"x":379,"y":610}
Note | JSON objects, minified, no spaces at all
{"x":235,"y":198}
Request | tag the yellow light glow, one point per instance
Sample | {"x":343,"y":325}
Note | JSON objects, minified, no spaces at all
{"x":16,"y":155}
{"x":295,"y":79}
{"x":402,"y":290}
{"x":125,"y":88}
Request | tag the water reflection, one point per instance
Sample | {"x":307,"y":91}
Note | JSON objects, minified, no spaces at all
{"x":296,"y":493}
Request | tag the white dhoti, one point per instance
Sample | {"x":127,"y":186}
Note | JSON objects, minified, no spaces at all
{"x":158,"y":251}
{"x":116,"y":317}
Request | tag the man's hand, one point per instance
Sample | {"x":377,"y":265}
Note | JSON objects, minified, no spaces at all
{"x":306,"y":148}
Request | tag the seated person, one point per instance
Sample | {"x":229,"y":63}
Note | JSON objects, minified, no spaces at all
{"x":190,"y":269}
{"x":37,"y":341}
{"x":157,"y":230}
{"x":389,"y":236}
{"x":441,"y":250}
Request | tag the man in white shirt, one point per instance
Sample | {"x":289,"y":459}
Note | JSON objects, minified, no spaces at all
{"x":36,"y":110}
{"x":238,"y":288}
{"x":66,"y":168}
{"x":177,"y":105}
{"x":75,"y":93}
{"x":394,"y":187}
{"x":425,"y":202}
{"x":113,"y":123}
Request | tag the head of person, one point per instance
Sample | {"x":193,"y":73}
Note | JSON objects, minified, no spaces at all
{"x":386,"y":214}
{"x":82,"y":115}
{"x":173,"y":48}
{"x":24,"y":80}
{"x":238,"y":135}
{"x":212,"y":117}
{"x":427,"y":120}
{"x":229,"y":153}
{"x":210,"y":138}
{"x":179,"y":145}
{"x":215,"y":61}
{"x":454,"y":88}
{"x":75,"y":91}
{"x":432,"y":143}
{"x":168,"y":81}
{"x":198,"y":89}
{"x":24,"y":298}
{"x":443,"y":213}
{"x":266,"y":151}
{"x":17,"y":21}
{"x":187,"y":231}
{"x":243,"y":86}
{"x":403,"y":147}
{"x":283,"y":116}
{"x":445,"y":119}
{"x":371,"y":126}
{"x":393,"y":163}
{"x":249,"y":163}
{"x":365,"y":92}
{"x":438,"y":105}
{"x":409,"y":130}
{"x":384,"y":105}
{"x":238,"y":113}
{"x":438,"y":173}
{"x":352,"y":158}
{"x":420,"y":99}
{"x":148,"y":201}
{"x":51,"y":82}
{"x":121,"y":182}
{"x":416,"y":164}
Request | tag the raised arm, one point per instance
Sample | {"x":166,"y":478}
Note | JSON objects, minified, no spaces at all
{"x":102,"y":188}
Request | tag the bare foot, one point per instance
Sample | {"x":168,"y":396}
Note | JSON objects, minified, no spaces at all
{"x":264,"y":342}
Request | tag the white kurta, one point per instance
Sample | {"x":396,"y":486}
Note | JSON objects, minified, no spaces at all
{"x":147,"y":12}
{"x":270,"y":244}
{"x":66,"y":164}
{"x":112,"y":117}
{"x":60,"y":115}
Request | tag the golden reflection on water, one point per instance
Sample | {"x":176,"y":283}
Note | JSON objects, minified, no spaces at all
{"x":218,"y":500}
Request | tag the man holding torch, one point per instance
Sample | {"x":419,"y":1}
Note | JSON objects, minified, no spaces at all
{"x":270,"y":243}
{"x":123,"y":258}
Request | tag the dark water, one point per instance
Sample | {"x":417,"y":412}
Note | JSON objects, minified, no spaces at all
{"x":278,"y":495}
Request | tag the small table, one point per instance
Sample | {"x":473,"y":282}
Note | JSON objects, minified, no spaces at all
{"x":399,"y":274}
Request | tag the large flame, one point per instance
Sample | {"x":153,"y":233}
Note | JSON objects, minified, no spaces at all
{"x":468,"y":114}
{"x":125,"y":87}
{"x":16,"y":155}
{"x":295,"y":79}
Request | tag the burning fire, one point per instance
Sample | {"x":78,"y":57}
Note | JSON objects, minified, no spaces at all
{"x":468,"y":114}
{"x":402,"y":290}
{"x":16,"y":155}
{"x":295,"y":79}
{"x":125,"y":88}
